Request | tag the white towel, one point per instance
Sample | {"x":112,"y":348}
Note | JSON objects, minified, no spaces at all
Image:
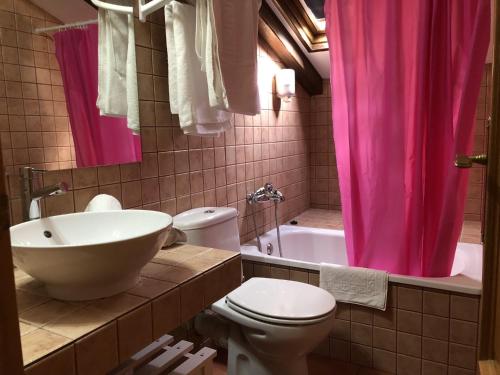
{"x":208,"y":54}
{"x":117,"y":75}
{"x":360,"y":286}
{"x":187,"y":82}
{"x":236,"y":26}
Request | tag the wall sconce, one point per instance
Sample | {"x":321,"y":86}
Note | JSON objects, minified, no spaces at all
{"x":285,"y":84}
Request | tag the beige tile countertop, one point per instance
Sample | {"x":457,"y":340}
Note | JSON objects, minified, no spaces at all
{"x":92,"y":337}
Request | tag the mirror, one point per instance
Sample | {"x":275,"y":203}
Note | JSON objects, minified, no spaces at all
{"x":58,"y":113}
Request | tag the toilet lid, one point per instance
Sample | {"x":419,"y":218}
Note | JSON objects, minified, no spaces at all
{"x":281,"y":300}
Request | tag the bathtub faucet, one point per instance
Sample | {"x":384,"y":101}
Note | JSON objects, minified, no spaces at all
{"x":265,"y":194}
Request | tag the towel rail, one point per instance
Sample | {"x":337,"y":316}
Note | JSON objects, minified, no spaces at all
{"x":114,"y":7}
{"x":65,"y":26}
{"x":146,"y":9}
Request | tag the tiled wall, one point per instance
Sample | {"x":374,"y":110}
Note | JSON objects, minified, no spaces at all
{"x":180,"y":172}
{"x":324,"y":178}
{"x":34,"y":126}
{"x":423,"y":331}
{"x":324,"y":183}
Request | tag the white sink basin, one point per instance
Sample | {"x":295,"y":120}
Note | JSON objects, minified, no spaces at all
{"x":89,"y":255}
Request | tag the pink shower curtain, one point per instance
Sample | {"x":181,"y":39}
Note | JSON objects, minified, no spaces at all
{"x":98,"y":140}
{"x":405,"y":79}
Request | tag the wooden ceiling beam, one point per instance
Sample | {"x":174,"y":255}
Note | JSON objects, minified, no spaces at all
{"x":272,"y":31}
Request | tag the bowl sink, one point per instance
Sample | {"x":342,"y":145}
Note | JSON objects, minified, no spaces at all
{"x":89,"y":255}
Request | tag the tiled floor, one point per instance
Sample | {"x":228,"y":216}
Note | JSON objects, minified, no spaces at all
{"x":317,"y":218}
{"x":319,"y":365}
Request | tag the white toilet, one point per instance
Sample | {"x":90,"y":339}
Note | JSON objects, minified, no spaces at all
{"x":270,"y":324}
{"x":215,"y":227}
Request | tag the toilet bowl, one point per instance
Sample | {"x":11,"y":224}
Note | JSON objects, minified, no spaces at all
{"x":274,"y":324}
{"x":269,"y":325}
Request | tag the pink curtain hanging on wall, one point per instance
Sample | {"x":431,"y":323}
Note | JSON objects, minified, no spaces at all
{"x":405,"y":79}
{"x":98,"y":140}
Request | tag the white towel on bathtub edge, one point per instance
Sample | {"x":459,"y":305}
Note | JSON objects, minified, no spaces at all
{"x":360,"y":286}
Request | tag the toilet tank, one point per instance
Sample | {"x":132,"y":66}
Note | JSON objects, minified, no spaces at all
{"x":215,"y":227}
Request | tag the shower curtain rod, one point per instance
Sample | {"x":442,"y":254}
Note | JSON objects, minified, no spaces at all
{"x":66,"y":26}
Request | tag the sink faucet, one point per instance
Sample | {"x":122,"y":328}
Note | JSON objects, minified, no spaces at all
{"x":31,"y":197}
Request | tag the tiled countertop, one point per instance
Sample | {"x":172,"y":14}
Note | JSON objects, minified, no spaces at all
{"x":176,"y":285}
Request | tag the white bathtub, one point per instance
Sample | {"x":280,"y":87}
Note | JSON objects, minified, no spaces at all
{"x":308,"y":247}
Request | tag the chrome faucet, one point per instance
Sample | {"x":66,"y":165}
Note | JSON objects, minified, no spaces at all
{"x":265,"y":194}
{"x":31,"y":197}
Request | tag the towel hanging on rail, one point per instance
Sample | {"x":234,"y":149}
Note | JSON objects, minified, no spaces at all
{"x":208,"y":54}
{"x":188,"y":87}
{"x":236,"y":26}
{"x":117,"y":67}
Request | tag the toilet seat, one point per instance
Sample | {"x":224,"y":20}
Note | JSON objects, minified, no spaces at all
{"x":281,"y":301}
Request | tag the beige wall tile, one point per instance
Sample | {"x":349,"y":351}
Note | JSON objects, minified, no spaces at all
{"x":464,"y":308}
{"x":192,"y":300}
{"x":384,"y":360}
{"x":61,"y":362}
{"x":215,"y":285}
{"x":436,"y":303}
{"x":340,"y":349}
{"x":409,"y":344}
{"x":314,"y":278}
{"x":384,"y":339}
{"x":435,"y":350}
{"x":361,"y":355}
{"x":408,"y":365}
{"x":341,"y":330}
{"x":278,"y":272}
{"x":459,"y":371}
{"x":433,"y":368}
{"x":361,"y":333}
{"x":410,"y":322}
{"x":463,"y":332}
{"x":166,"y":311}
{"x":361,"y":314}
{"x":385,"y":319}
{"x":463,"y":356}
{"x":343,"y":311}
{"x":435,"y":327}
{"x":410,"y":298}
{"x":135,"y":331}
{"x":97,"y":353}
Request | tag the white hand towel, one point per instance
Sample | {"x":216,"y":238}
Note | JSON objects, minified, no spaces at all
{"x":208,"y":54}
{"x":187,"y":81}
{"x":172,"y":59}
{"x":236,"y":27}
{"x":117,"y":75}
{"x":360,"y":286}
